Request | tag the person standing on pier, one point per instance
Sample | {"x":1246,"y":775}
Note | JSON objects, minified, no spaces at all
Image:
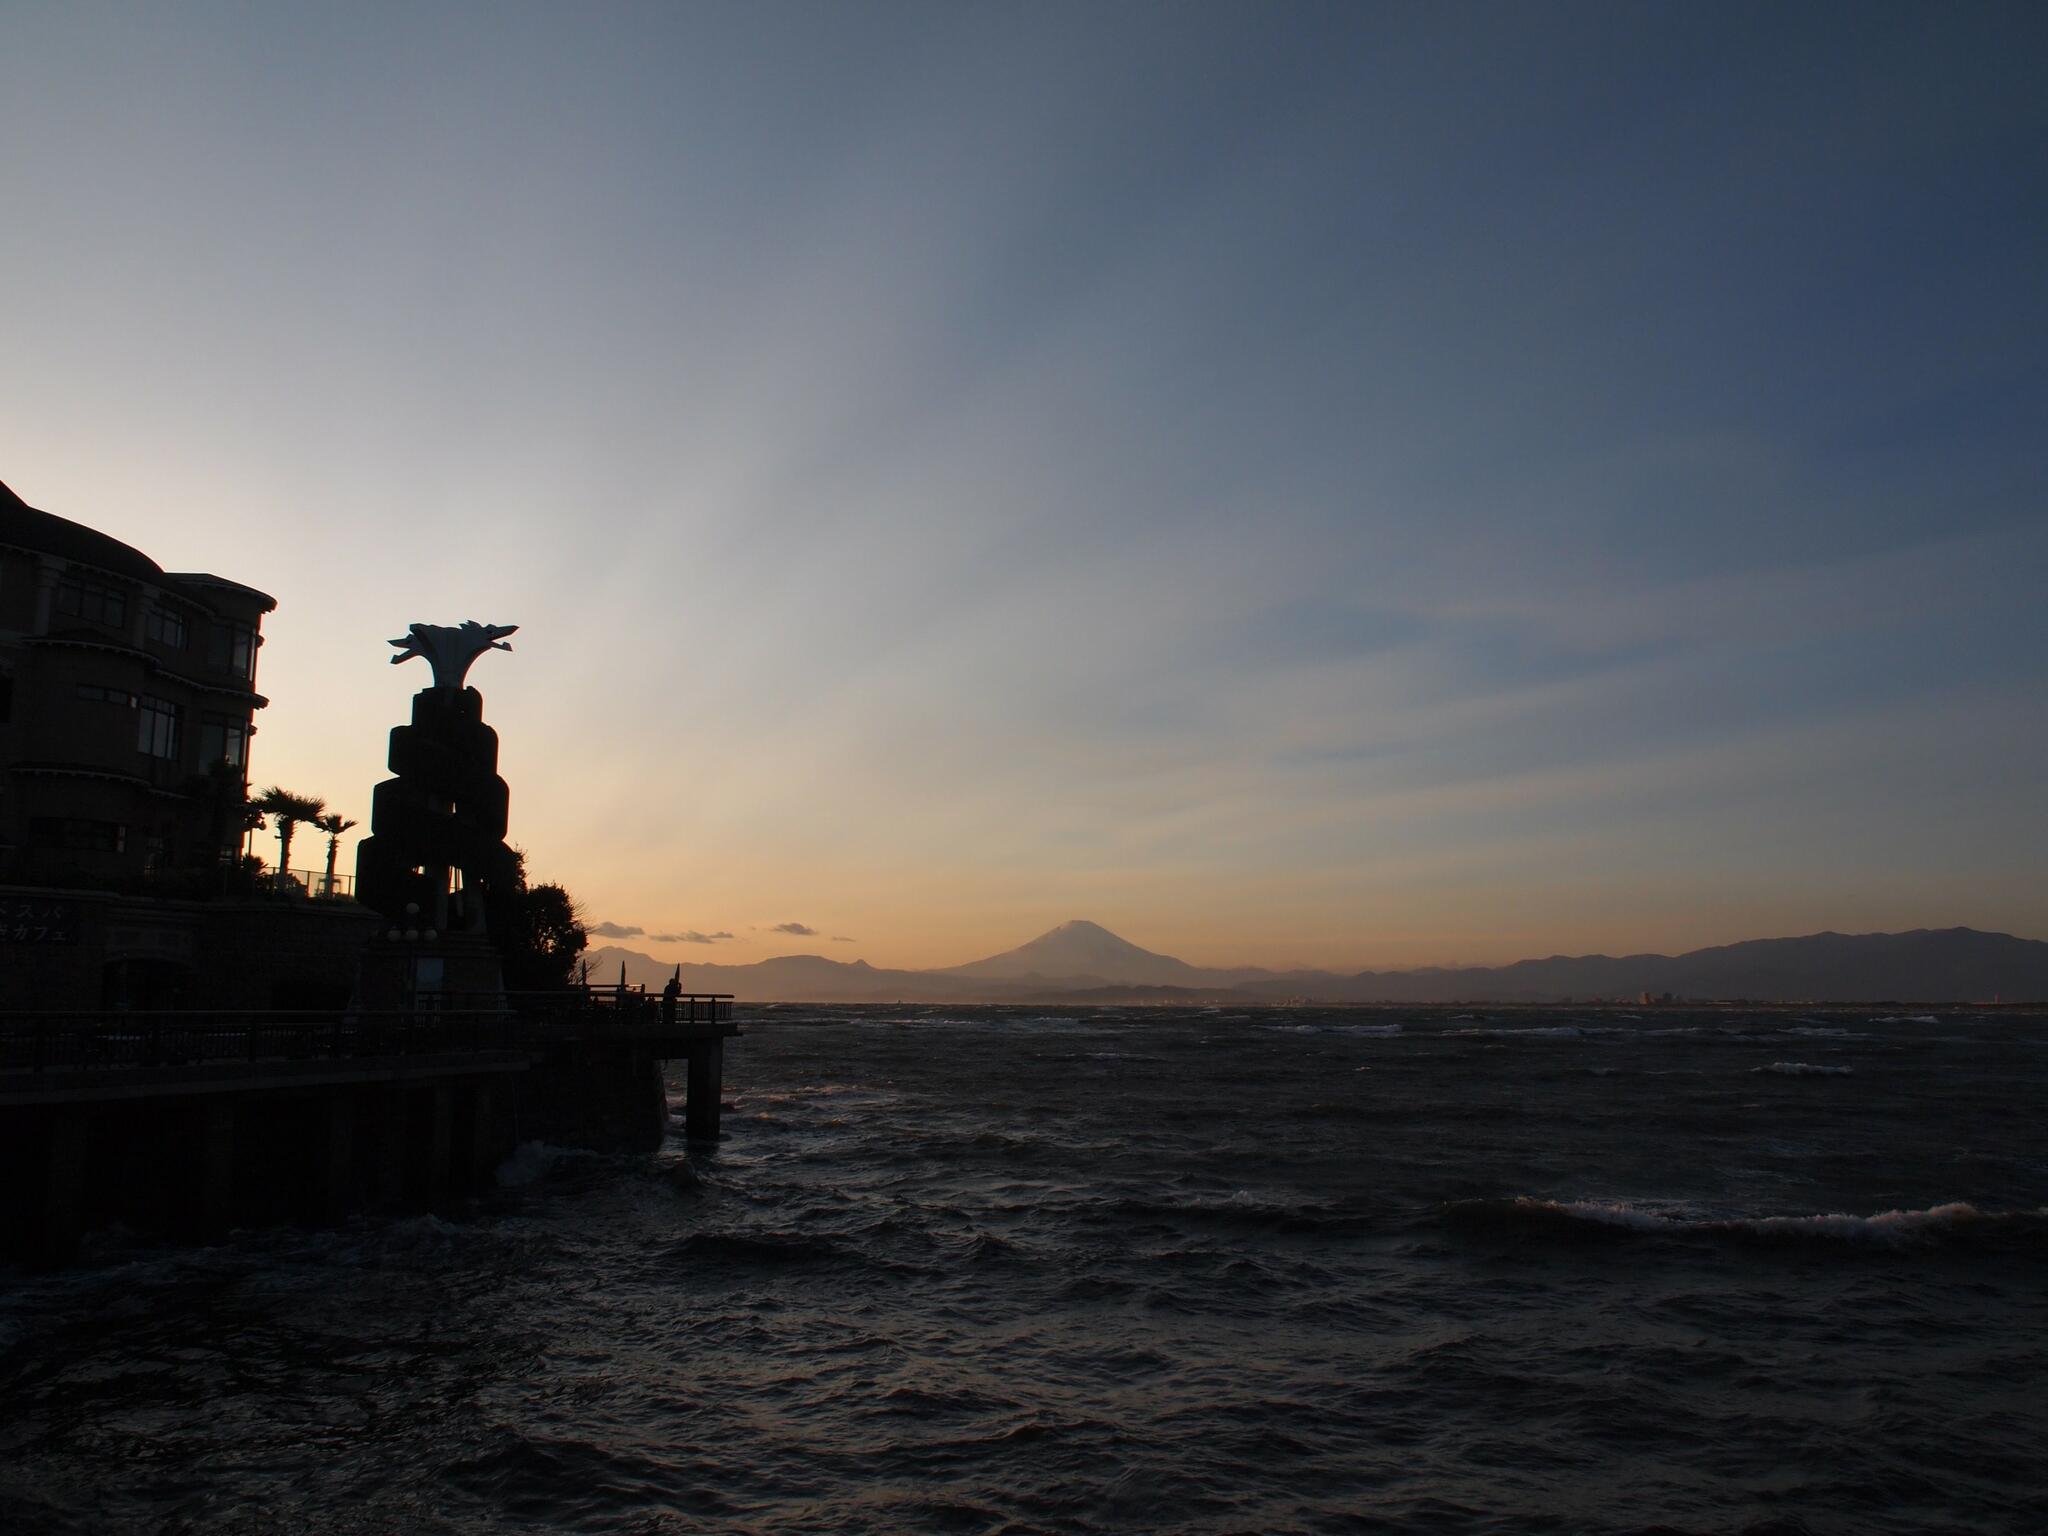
{"x":669,"y":994}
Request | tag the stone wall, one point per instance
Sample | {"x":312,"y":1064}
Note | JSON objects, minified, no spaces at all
{"x":91,"y":949}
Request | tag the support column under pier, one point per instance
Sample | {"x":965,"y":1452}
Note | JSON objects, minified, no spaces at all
{"x":482,"y":1158}
{"x":338,"y":1191}
{"x":63,"y":1213}
{"x":216,"y":1165}
{"x":652,"y":1115}
{"x":440,"y":1143}
{"x":384,"y":1138}
{"x":705,"y":1082}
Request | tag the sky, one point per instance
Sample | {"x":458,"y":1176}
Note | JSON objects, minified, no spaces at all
{"x":1335,"y":485}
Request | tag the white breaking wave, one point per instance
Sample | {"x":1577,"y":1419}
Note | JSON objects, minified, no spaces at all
{"x":1804,"y":1069}
{"x":1608,"y":1213}
{"x":1545,"y":1032}
{"x":1367,"y":1030}
{"x":1885,"y":1226}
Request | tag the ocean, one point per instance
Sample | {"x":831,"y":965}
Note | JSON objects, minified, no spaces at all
{"x":1013,"y":1270}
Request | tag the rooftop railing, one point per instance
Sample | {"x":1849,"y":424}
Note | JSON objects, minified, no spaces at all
{"x":308,"y":884}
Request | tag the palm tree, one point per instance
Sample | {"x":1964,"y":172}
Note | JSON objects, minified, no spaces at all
{"x":289,"y":810}
{"x":333,"y":824}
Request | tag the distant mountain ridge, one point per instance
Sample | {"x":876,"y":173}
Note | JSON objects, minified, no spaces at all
{"x":1085,"y":951}
{"x":1081,"y":961}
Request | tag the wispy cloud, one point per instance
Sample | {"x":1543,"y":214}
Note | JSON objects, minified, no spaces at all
{"x":840,"y":938}
{"x":1264,"y":571}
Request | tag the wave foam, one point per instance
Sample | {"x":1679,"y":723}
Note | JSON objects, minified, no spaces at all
{"x":1367,"y":1031}
{"x":1805,"y":1069}
{"x":1586,"y":1218}
{"x":1536,"y":1032}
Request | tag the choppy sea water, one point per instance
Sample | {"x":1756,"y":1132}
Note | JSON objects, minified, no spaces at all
{"x":1000,"y":1270}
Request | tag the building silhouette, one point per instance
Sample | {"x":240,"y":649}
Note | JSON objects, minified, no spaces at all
{"x":127,"y":705}
{"x":127,"y":702}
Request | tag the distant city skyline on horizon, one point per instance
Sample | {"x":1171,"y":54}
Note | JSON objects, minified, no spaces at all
{"x":1315,"y":487}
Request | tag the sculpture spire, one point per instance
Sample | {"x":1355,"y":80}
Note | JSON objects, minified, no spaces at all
{"x":451,"y":649}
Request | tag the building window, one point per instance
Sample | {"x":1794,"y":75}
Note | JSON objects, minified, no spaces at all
{"x":157,"y":727}
{"x":78,"y":834}
{"x":222,"y":740}
{"x":98,"y":693}
{"x":165,"y":627}
{"x":234,"y":649}
{"x":93,"y":603}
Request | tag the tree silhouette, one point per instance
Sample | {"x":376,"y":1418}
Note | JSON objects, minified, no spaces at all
{"x":538,"y":931}
{"x":333,"y":824}
{"x":288,"y":810}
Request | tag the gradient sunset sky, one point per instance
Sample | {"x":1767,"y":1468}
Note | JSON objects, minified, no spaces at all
{"x":1337,"y":485}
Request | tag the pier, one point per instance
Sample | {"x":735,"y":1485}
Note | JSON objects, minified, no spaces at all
{"x":185,"y":1124}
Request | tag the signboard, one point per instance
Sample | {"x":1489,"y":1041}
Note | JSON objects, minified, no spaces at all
{"x":38,"y":920}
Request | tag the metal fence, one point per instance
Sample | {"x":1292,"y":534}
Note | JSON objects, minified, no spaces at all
{"x":308,"y":884}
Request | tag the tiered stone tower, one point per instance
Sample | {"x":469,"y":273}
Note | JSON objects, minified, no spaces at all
{"x":436,"y":851}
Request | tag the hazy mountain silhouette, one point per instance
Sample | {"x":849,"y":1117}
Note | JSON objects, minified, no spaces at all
{"x":796,"y":979}
{"x":1933,"y":965}
{"x":1083,"y":962}
{"x":1086,"y":953}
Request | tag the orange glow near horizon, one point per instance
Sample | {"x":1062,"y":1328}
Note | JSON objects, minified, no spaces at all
{"x":1031,"y":472}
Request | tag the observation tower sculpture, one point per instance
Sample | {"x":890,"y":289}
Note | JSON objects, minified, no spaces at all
{"x":436,"y":853}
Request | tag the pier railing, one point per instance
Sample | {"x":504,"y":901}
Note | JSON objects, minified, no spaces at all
{"x":73,"y":1041}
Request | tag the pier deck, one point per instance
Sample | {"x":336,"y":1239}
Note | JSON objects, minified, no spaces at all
{"x":191,"y":1121}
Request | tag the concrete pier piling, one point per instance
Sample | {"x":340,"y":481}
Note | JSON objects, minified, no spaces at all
{"x":217,"y":1166}
{"x":64,"y":1184}
{"x":703,"y":1087}
{"x":338,"y":1181}
{"x":481,"y":1156}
